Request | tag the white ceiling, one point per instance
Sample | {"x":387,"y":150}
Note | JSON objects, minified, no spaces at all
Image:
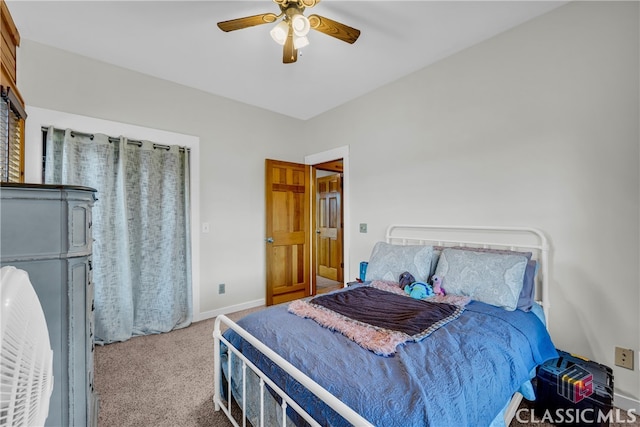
{"x":179,"y":41}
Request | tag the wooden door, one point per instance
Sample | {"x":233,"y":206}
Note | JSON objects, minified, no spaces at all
{"x":288,"y":250}
{"x":329,"y":222}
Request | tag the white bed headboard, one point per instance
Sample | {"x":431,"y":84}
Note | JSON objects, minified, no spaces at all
{"x":511,"y":238}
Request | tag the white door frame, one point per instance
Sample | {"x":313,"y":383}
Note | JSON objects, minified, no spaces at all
{"x":327,"y":156}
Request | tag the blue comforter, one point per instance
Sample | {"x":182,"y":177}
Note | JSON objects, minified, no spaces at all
{"x":461,"y":375}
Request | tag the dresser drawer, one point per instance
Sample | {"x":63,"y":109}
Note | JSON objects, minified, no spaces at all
{"x":45,"y":224}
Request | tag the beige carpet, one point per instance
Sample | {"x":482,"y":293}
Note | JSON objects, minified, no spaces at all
{"x":163,"y":380}
{"x":166,"y":380}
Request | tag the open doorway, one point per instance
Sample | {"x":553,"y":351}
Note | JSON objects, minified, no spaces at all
{"x":331,"y":160}
{"x":329,"y":223}
{"x":290,"y":239}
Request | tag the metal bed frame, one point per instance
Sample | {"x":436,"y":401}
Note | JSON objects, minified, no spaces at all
{"x":493,"y":237}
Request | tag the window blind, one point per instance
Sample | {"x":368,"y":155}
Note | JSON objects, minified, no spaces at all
{"x":12,"y":117}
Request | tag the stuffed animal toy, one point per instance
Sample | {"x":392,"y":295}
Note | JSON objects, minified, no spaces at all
{"x":419,"y":290}
{"x":406,"y":279}
{"x":437,"y":285}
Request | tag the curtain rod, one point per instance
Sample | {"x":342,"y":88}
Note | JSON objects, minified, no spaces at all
{"x":114,"y":139}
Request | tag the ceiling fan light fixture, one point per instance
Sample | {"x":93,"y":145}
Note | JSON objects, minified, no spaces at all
{"x":300,"y":42}
{"x":291,"y":27}
{"x":300,"y":25}
{"x":280,"y":32}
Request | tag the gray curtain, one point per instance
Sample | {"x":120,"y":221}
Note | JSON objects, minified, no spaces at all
{"x":141,"y":229}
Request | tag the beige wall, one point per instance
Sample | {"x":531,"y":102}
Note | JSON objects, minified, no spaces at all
{"x":234,"y":141}
{"x":537,"y":126}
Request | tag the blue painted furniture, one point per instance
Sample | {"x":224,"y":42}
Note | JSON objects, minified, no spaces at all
{"x":46,"y":231}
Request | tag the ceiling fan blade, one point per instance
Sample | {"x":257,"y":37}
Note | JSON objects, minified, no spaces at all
{"x":334,"y":28}
{"x":289,"y":53}
{"x":248,"y":21}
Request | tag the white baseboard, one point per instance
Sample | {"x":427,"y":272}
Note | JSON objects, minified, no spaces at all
{"x":230,"y":309}
{"x":626,"y":403}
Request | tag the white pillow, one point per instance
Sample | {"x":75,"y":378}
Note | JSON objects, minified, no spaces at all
{"x":388,"y":262}
{"x":492,"y":278}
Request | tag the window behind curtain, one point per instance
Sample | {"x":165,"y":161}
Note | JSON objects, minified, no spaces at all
{"x":12,"y":118}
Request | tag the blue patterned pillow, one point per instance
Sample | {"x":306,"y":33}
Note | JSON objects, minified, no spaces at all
{"x":388,"y":262}
{"x":527,"y":295}
{"x":492,"y":278}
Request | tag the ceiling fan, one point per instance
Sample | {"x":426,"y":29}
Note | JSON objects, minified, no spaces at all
{"x":292,"y":31}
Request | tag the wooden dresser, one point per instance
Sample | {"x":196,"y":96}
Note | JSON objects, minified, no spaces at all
{"x":46,"y":231}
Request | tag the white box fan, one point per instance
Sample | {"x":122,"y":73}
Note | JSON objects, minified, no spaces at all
{"x":26,"y":359}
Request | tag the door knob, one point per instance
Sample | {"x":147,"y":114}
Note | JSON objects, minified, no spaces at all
{"x":269,"y":240}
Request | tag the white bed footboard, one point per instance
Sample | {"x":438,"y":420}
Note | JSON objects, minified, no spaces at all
{"x":347,"y":413}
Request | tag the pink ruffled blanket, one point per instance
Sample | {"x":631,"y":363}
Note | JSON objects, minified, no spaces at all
{"x":381,"y":316}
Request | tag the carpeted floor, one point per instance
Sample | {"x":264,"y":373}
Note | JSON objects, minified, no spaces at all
{"x":166,"y":380}
{"x":163,"y":380}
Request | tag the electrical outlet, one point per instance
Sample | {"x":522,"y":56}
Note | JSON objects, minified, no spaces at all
{"x":221,"y":288}
{"x":624,"y":357}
